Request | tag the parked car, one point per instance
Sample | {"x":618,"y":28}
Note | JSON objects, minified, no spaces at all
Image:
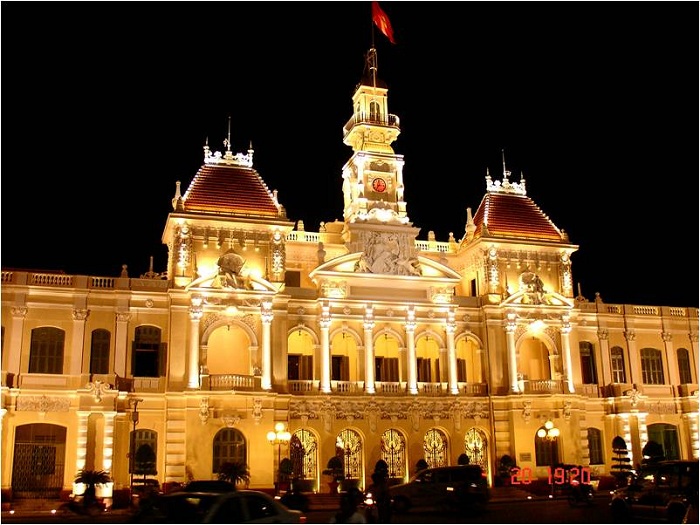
{"x":443,"y":487}
{"x":208,"y":485}
{"x":661,"y":490}
{"x":241,"y":506}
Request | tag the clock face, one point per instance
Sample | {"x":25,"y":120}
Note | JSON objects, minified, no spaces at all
{"x":379,"y":185}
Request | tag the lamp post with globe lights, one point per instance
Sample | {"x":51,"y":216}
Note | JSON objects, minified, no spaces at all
{"x":549,"y":433}
{"x":279,"y":436}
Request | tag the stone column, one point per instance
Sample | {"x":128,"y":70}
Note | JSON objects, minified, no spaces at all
{"x":603,"y":339}
{"x":80,"y":315}
{"x":325,"y":324}
{"x":369,"y":351}
{"x":82,"y":441}
{"x":512,"y":360}
{"x":411,"y":358}
{"x":451,"y":352}
{"x":121,"y":343}
{"x":108,"y":449}
{"x":266,"y":316}
{"x":674,"y":376}
{"x":693,"y":351}
{"x":566,"y":349}
{"x":691,"y":429}
{"x":193,"y":363}
{"x":19,"y":313}
{"x":633,"y":357}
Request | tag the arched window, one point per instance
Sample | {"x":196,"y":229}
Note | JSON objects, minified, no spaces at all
{"x":652,"y":367}
{"x":595,"y":448}
{"x":229,"y":447}
{"x":46,"y":351}
{"x":393,"y":451}
{"x":304,"y":459}
{"x":374,"y":111}
{"x":99,"y":351}
{"x":349,"y":443}
{"x":144,"y":452}
{"x":589,"y":373}
{"x":435,"y":448}
{"x":148,"y":352}
{"x":667,"y":436}
{"x":476,"y":447}
{"x":617,"y":363}
{"x":684,"y":372}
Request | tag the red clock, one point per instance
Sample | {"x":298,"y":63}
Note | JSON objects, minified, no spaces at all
{"x":379,"y":185}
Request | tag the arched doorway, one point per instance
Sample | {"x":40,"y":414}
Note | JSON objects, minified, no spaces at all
{"x":39,"y":460}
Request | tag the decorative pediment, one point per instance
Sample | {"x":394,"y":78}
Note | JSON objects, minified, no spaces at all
{"x":538,"y":298}
{"x":343,"y":277}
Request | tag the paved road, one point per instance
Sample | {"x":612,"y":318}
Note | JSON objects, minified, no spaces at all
{"x":535,"y":511}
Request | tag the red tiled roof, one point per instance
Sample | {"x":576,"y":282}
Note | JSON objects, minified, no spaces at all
{"x":514,"y":216}
{"x":230,"y":190}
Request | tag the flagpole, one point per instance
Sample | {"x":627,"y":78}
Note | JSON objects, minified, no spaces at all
{"x":373,"y":52}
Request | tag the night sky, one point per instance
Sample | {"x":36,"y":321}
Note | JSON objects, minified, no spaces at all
{"x":107,"y":105}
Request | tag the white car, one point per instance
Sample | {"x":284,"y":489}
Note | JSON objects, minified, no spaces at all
{"x":240,"y":506}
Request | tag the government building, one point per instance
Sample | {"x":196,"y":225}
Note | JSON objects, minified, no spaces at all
{"x":355,"y":339}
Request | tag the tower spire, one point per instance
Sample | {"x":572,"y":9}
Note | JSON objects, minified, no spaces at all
{"x":227,"y":141}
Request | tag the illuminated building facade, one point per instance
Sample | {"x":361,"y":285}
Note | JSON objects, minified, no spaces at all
{"x":362,"y":340}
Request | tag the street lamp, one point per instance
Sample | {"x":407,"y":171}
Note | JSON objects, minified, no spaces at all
{"x":549,"y":433}
{"x":278,"y":437}
{"x":132,"y":441}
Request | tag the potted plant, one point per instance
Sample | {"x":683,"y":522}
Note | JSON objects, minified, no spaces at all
{"x":336,"y":470}
{"x":91,"y":478}
{"x":286,"y":471}
{"x":234,"y":472}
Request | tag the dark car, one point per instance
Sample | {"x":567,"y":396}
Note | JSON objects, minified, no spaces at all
{"x":665,"y":490}
{"x":240,"y":506}
{"x":443,"y":487}
{"x":208,"y":485}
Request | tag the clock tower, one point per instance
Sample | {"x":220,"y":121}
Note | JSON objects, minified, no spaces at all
{"x":374,"y":208}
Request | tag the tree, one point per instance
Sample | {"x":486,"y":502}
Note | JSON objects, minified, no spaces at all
{"x":286,"y":469}
{"x":235,"y":472}
{"x":505,"y":465}
{"x":145,"y":461}
{"x":381,"y":468}
{"x":335,"y":468}
{"x":622,"y":465}
{"x":652,"y":452}
{"x":421,"y":464}
{"x":91,"y":478}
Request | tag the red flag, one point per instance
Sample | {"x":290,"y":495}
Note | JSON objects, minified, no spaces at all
{"x":381,"y":20}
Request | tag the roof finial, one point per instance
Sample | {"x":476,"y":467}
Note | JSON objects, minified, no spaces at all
{"x":207,"y":151}
{"x":506,"y":173}
{"x":227,"y":141}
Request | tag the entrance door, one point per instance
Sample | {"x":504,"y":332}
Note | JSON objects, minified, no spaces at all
{"x":39,"y":459}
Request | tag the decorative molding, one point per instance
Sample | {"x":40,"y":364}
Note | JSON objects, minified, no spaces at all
{"x":204,"y":410}
{"x":42,"y":404}
{"x":80,"y":314}
{"x":19,"y":312}
{"x":99,"y":388}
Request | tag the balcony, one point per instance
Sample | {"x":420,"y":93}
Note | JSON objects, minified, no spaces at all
{"x":384,"y":388}
{"x":238,"y":382}
{"x":542,"y":386}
